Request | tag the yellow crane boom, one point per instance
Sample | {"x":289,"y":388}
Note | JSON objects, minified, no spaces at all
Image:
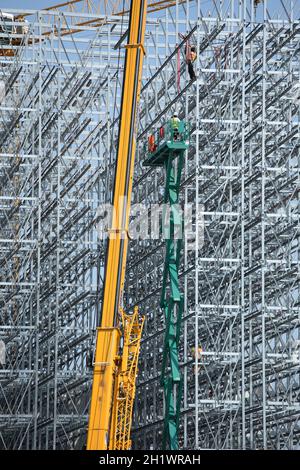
{"x":114,"y":374}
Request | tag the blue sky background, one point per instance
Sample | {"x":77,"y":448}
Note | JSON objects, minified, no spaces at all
{"x":274,"y":6}
{"x":32,"y":4}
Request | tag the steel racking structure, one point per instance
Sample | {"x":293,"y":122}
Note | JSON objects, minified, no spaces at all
{"x":239,"y":351}
{"x":60,"y":95}
{"x":239,"y":347}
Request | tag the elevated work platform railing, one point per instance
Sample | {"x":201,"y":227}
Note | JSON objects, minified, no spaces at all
{"x":165,"y":140}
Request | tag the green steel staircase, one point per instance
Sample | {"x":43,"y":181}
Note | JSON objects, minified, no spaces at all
{"x":169,"y":152}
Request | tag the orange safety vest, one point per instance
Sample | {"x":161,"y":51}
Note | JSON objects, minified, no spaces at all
{"x":190,"y":55}
{"x":151,"y":143}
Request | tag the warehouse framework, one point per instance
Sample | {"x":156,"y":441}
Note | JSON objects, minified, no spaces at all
{"x":239,"y":343}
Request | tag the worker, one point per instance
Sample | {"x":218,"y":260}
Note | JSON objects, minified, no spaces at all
{"x":151,"y":143}
{"x":161,"y":132}
{"x":199,"y":356}
{"x":175,"y":121}
{"x":191,"y":56}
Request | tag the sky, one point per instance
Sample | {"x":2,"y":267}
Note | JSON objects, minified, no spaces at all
{"x":32,"y":4}
{"x":274,"y":6}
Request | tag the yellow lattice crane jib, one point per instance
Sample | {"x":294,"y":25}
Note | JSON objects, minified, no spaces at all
{"x":125,"y":382}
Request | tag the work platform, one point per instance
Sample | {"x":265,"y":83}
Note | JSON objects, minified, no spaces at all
{"x":165,"y":142}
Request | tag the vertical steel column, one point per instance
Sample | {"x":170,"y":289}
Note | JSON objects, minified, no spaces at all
{"x":39,"y":240}
{"x":263,"y":227}
{"x":197,"y":175}
{"x":242,"y":255}
{"x":58,"y":248}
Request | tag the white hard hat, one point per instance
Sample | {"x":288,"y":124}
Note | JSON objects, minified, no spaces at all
{"x":175,"y":114}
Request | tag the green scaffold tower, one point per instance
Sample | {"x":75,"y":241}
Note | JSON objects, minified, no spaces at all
{"x":167,"y":149}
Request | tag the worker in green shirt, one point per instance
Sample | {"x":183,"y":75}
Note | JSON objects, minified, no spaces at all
{"x":175,"y":121}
